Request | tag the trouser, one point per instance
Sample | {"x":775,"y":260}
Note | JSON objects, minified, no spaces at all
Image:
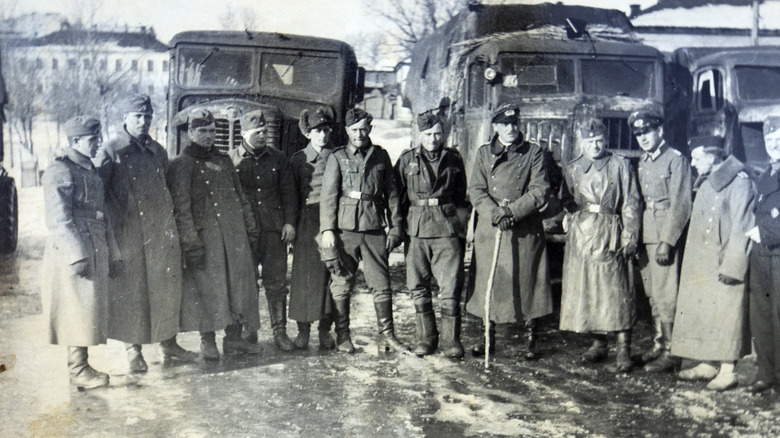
{"x":272,"y":256}
{"x":765,"y":314}
{"x":369,"y":247}
{"x":440,"y":258}
{"x":660,"y":282}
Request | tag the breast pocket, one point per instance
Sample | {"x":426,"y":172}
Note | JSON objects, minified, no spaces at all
{"x":352,"y":177}
{"x":268,"y":178}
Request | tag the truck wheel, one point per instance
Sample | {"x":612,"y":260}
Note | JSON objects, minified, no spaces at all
{"x":9,"y":215}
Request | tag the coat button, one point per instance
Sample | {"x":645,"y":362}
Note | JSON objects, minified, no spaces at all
{"x":207,"y":182}
{"x":140,"y":213}
{"x":215,"y":204}
{"x":217,"y":214}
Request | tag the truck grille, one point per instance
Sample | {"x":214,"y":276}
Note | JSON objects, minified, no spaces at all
{"x":553,"y":135}
{"x":225,"y":143}
{"x":619,"y":134}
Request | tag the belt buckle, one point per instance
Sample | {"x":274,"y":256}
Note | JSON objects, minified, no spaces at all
{"x":433,"y":202}
{"x":99,"y":215}
{"x":355,"y":194}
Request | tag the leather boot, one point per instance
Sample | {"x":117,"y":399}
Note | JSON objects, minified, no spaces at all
{"x":427,"y":335}
{"x":326,"y":340}
{"x":450,"y":345}
{"x":479,"y":349}
{"x":597,"y":351}
{"x":233,"y":343}
{"x":278,"y":311}
{"x":208,"y":346}
{"x":135,"y":359}
{"x":658,"y":344}
{"x":530,"y":351}
{"x":83,"y":376}
{"x":174,"y":352}
{"x":387,"y":343}
{"x":302,"y":338}
{"x":665,"y":362}
{"x":623,"y":362}
{"x":343,"y":339}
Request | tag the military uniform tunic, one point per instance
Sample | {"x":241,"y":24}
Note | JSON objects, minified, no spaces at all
{"x":512,"y":175}
{"x":665,"y":184}
{"x":267,"y":180}
{"x":145,"y":301}
{"x":358,"y":200}
{"x":213,"y":215}
{"x":597,"y":295}
{"x":309,"y":294}
{"x":432,"y":193}
{"x":76,"y":308}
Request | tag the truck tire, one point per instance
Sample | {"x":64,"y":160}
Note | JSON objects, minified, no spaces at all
{"x":9,"y":215}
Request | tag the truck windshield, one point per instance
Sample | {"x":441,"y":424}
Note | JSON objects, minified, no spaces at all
{"x":618,"y":78}
{"x":214,"y":67}
{"x":536,"y":75}
{"x":757,"y":82}
{"x":299,"y":71}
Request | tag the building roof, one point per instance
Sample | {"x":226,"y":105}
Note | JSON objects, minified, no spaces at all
{"x":723,"y":14}
{"x":71,"y":36}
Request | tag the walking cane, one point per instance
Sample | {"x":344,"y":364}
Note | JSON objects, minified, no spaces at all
{"x":489,"y":295}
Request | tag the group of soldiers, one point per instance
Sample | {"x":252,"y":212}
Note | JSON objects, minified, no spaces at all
{"x":142,"y":248}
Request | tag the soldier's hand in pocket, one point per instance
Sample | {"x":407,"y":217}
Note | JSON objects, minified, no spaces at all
{"x":81,"y":268}
{"x":725,"y":279}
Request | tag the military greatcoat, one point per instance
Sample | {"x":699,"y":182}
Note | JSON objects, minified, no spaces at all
{"x":596,"y":292}
{"x":145,"y":301}
{"x":514,"y":175}
{"x":213,"y":215}
{"x":76,"y":307}
{"x":711,"y":321}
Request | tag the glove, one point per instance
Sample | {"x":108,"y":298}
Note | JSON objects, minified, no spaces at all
{"x":725,"y":279}
{"x":81,"y":268}
{"x":501,"y":213}
{"x":196,"y":259}
{"x":505,"y":224}
{"x":288,"y":233}
{"x":393,"y":241}
{"x":116,"y":268}
{"x":663,"y":254}
{"x":629,"y":251}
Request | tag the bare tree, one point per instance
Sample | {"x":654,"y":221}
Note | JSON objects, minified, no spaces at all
{"x":244,"y":19}
{"x":370,"y":48}
{"x":412,"y":20}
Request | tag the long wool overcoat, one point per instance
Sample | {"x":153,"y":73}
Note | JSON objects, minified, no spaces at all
{"x":213,"y":215}
{"x":521,"y":289}
{"x":711,"y":319}
{"x":145,"y":301}
{"x":597,"y":294}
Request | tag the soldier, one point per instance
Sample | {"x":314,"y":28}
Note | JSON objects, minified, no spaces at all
{"x":508,"y":187}
{"x":267,"y":180}
{"x":217,"y":232}
{"x":145,"y":301}
{"x":310,"y":298}
{"x":764,"y":289}
{"x":76,"y":263}
{"x":710,"y":323}
{"x":665,"y":185}
{"x":358,"y":200}
{"x":432,"y":189}
{"x":602,"y":235}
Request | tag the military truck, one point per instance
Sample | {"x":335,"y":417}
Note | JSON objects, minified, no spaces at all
{"x":733,"y":91}
{"x":9,"y":209}
{"x":232,"y":73}
{"x":558,"y":63}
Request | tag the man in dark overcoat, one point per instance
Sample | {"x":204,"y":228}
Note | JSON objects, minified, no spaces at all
{"x":267,"y":180}
{"x":358,"y":200}
{"x":508,"y":187}
{"x":217,"y":232}
{"x":431,"y":183}
{"x":665,"y":184}
{"x":81,"y":252}
{"x":145,"y":301}
{"x":310,"y":298}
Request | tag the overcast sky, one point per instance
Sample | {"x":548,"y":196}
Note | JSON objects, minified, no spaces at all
{"x":325,"y":18}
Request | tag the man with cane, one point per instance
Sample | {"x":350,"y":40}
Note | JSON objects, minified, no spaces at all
{"x":508,"y":187}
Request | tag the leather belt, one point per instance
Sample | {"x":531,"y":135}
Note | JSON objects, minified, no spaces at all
{"x":362,"y":196}
{"x":598,"y":209}
{"x":430,"y":202}
{"x":89,"y":214}
{"x":657,"y":205}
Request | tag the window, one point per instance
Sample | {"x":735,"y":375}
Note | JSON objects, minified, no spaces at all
{"x":709,"y":86}
{"x":71,"y":64}
{"x":86,"y":64}
{"x":214,"y":67}
{"x":150,"y":89}
{"x":150,"y":65}
{"x":165,"y":66}
{"x":618,"y":78}
{"x":306,"y":72}
{"x":477,"y":85}
{"x":758,"y":82}
{"x":38,"y":63}
{"x":134,"y":65}
{"x":118,"y":65}
{"x":525,"y":75}
{"x":103,"y":65}
{"x":54,"y":64}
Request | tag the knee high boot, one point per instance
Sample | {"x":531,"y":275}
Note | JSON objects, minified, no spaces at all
{"x":343,"y":339}
{"x":665,"y":362}
{"x":530,"y":351}
{"x":427,"y":335}
{"x":479,"y":348}
{"x":323,"y":331}
{"x":450,"y":345}
{"x":658,"y":344}
{"x":387,"y":343}
{"x":278,"y":311}
{"x":623,"y":363}
{"x":81,"y":374}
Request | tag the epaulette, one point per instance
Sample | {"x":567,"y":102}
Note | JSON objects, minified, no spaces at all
{"x":675,"y":151}
{"x":572,"y":161}
{"x":742,"y":174}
